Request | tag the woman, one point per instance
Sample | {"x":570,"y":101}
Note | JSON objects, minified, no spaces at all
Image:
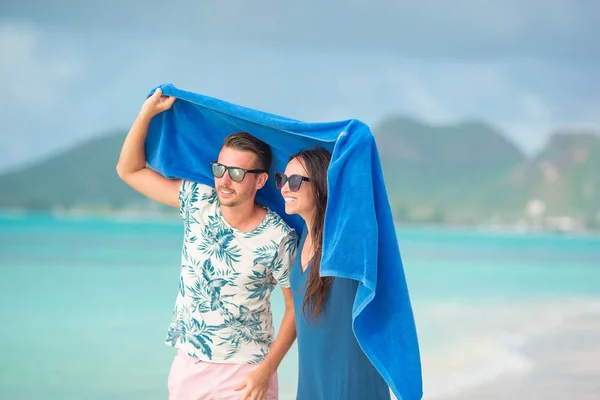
{"x":331,"y":363}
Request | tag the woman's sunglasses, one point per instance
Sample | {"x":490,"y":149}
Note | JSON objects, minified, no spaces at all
{"x":235,"y":173}
{"x":294,"y":181}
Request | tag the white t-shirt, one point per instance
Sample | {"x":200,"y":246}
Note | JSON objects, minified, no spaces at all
{"x":223,"y":312}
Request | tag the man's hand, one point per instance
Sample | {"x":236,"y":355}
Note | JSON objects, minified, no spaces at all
{"x":257,"y":382}
{"x":256,"y":385}
{"x":156,"y":104}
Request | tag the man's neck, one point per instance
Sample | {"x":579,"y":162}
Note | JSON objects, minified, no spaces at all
{"x":244,"y":217}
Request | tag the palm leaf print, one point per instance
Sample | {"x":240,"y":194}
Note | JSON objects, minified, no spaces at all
{"x":181,"y":286}
{"x":186,"y":329}
{"x":277,"y":267}
{"x":291,"y":244}
{"x":260,"y":357}
{"x":174,"y":333}
{"x":199,"y":335}
{"x":201,"y":299}
{"x":205,"y":293}
{"x":216,"y":241}
{"x":265,"y":255}
{"x":210,"y":198}
{"x":245,"y":328}
{"x":260,"y":284}
{"x":187,"y":199}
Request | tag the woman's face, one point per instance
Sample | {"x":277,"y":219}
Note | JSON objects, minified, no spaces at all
{"x":301,"y":201}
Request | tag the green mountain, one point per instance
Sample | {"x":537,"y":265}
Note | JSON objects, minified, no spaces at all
{"x":565,"y":175}
{"x":81,"y":176}
{"x":467,"y":172}
{"x":442,"y":169}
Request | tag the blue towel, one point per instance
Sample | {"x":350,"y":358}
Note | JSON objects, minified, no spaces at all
{"x":359,"y":235}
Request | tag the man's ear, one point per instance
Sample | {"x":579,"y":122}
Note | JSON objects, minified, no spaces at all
{"x":262,"y":180}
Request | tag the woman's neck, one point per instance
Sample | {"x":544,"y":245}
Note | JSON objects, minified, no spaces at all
{"x":308,"y":221}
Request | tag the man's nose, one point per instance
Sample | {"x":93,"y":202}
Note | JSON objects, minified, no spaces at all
{"x":225,"y":179}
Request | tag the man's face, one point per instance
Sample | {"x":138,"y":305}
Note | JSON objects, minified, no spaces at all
{"x":230,"y":192}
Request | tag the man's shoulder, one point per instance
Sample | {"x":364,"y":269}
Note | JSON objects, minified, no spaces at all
{"x":286,"y":235}
{"x":272,"y":229}
{"x":277,"y":222}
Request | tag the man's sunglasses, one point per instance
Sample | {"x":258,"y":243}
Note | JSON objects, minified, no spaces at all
{"x":294,"y":181}
{"x":235,"y":173}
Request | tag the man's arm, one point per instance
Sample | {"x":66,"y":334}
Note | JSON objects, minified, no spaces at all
{"x":256,"y":384}
{"x":131,"y":167}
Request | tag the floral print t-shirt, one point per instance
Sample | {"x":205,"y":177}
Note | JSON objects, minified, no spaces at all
{"x":222,"y":311}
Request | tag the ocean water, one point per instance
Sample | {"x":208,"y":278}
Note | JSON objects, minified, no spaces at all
{"x":85,"y":304}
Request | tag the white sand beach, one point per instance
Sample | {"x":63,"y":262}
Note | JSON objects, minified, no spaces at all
{"x":565,"y":365}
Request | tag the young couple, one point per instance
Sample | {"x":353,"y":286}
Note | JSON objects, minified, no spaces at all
{"x":235,"y":252}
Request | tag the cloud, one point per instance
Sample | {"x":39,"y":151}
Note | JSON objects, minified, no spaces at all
{"x":431,"y":29}
{"x":36,"y":77}
{"x":30,"y":74}
{"x":418,"y":99}
{"x":68,"y":76}
{"x":534,"y":108}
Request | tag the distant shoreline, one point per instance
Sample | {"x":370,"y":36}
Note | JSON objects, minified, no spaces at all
{"x":166,"y":215}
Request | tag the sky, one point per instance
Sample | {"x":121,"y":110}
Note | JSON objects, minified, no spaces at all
{"x":72,"y":70}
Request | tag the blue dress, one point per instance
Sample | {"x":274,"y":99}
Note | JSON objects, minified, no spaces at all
{"x":332,"y":366}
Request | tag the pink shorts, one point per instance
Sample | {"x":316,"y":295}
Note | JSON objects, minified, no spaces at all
{"x":193,"y":379}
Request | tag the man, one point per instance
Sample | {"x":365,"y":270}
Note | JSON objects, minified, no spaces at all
{"x":234,"y":253}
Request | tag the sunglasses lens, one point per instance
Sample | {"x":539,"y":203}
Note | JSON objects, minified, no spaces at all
{"x":236,"y":174}
{"x":280,"y":180}
{"x":218,"y":170}
{"x":295,"y":182}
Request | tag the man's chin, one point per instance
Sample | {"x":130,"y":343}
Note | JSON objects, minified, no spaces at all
{"x":228,"y":202}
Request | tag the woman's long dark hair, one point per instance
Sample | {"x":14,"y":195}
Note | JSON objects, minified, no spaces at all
{"x":316,"y":162}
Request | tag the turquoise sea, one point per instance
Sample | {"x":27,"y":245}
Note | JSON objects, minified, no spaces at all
{"x":85,"y":304}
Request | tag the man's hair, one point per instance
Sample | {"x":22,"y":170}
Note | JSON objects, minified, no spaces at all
{"x":243,"y":141}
